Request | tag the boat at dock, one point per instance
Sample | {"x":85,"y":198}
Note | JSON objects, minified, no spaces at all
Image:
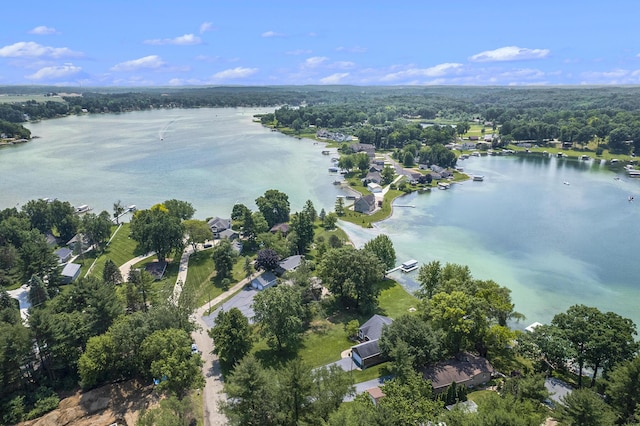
{"x":326,"y":152}
{"x":443,"y":185}
{"x":83,"y":209}
{"x":478,"y":178}
{"x":409,"y":265}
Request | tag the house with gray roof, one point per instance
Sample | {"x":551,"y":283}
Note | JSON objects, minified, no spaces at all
{"x":217,"y":225}
{"x":368,"y":353}
{"x":64,"y":254}
{"x":289,"y":264}
{"x":228,"y":234}
{"x":366,"y":204}
{"x":263,"y":281}
{"x":70,"y":272}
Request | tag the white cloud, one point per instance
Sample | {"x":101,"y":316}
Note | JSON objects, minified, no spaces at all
{"x":334,"y":78}
{"x":30,"y":49}
{"x":299,"y":52}
{"x":268,"y":34}
{"x":523,"y":73}
{"x":509,"y":53}
{"x":43,"y":30}
{"x":147,"y":62}
{"x":412,"y":73}
{"x":343,"y":65}
{"x":206,"y":27}
{"x":183,"y":40}
{"x":314,"y":61}
{"x":354,"y":49}
{"x":234,"y":73}
{"x":54,"y":72}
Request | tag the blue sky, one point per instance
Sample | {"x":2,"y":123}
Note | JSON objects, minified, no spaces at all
{"x":236,"y":42}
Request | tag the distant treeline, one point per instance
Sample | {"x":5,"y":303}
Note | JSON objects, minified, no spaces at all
{"x":573,"y":114}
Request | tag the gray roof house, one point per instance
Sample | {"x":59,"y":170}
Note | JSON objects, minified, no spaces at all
{"x":217,"y":225}
{"x":70,"y":272}
{"x":367,"y":353}
{"x":366,"y":204}
{"x":64,"y":254}
{"x":264,"y":281}
{"x":372,"y":329}
{"x":228,"y":234}
{"x":289,"y":264}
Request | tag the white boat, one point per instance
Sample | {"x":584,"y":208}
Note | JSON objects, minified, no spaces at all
{"x":566,"y":183}
{"x":478,"y":178}
{"x":83,"y":208}
{"x":443,"y":185}
{"x":409,"y":265}
{"x":132,"y":208}
{"x":633,"y":173}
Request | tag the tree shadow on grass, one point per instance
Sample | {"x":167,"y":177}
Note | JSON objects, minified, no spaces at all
{"x":277,"y":358}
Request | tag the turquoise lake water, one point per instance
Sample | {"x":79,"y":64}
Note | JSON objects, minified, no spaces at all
{"x":552,"y":243}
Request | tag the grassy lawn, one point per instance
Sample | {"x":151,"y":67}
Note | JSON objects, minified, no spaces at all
{"x":121,"y":249}
{"x":479,"y":396}
{"x":326,"y":339}
{"x":365,"y":220}
{"x":576,"y":152}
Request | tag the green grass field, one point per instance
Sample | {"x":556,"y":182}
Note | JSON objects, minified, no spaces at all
{"x":121,"y":249}
{"x":11,"y":99}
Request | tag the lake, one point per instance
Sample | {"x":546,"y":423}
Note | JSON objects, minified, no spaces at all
{"x":553,"y":244}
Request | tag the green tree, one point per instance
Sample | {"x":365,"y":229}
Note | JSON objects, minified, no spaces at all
{"x":197,"y":232}
{"x":330,"y":221}
{"x":429,"y":277}
{"x":408,"y":403}
{"x":172,"y":411}
{"x":35,"y":257}
{"x":118,"y":210}
{"x":250,"y":391}
{"x":451,"y":312}
{"x":96,"y":228}
{"x":63,"y":219}
{"x":279,"y":313}
{"x":180,"y":209}
{"x":351,"y":275}
{"x":338,"y":208}
{"x":157,"y":230}
{"x":267,"y":259}
{"x":310,"y":210}
{"x":387,"y":174}
{"x":111,"y":273}
{"x":623,"y":390}
{"x":274,"y":206}
{"x":382,"y":247}
{"x":231,"y":336}
{"x":38,"y":213}
{"x":295,"y":385}
{"x":422,"y":342}
{"x":330,"y":386}
{"x":98,"y":363}
{"x":167,"y":356}
{"x":583,"y":407}
{"x":301,"y":232}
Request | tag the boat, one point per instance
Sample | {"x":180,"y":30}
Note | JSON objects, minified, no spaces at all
{"x":132,"y":208}
{"x":326,"y":152}
{"x":585,"y":157}
{"x":333,"y":169}
{"x":633,"y":173}
{"x":83,"y":208}
{"x":337,"y":182}
{"x":409,"y":265}
{"x":566,"y":183}
{"x":443,"y":185}
{"x":614,"y":160}
{"x":478,"y":178}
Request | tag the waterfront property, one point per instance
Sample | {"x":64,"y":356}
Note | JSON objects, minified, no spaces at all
{"x":409,"y":265}
{"x":465,"y":369}
{"x":217,"y":225}
{"x":366,"y":204}
{"x":368,"y":353}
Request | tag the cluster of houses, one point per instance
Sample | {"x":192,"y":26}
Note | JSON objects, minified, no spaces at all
{"x":70,"y":270}
{"x":464,"y":369}
{"x":333,"y":136}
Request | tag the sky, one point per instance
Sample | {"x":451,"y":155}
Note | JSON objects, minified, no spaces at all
{"x":370,"y":43}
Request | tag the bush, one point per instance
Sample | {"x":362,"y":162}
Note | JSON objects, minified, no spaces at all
{"x":43,"y":406}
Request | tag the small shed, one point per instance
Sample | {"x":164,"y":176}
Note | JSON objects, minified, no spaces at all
{"x":375,"y":394}
{"x":70,"y":272}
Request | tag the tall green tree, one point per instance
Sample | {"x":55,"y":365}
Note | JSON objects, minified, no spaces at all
{"x":429,"y":277}
{"x":232,"y":337}
{"x":118,"y":210}
{"x":422,"y":341}
{"x":111,"y":273}
{"x":274,"y":206}
{"x":583,"y":407}
{"x":280,"y":315}
{"x":183,"y":210}
{"x":623,"y":390}
{"x":197,"y":232}
{"x":352,"y":275}
{"x":301,"y":232}
{"x":96,"y":228}
{"x":310,"y":210}
{"x":382,"y":247}
{"x":157,"y":230}
{"x":223,"y":258}
{"x":250,"y":389}
{"x":167,"y":356}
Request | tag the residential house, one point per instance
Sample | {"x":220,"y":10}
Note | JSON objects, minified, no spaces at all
{"x":465,"y":369}
{"x":366,"y":204}
{"x":228,"y":234}
{"x":374,"y":187}
{"x":51,"y":240}
{"x":368,"y":148}
{"x":368,"y":353}
{"x":78,"y":237}
{"x":289,"y":264}
{"x":372,"y":177}
{"x":217,"y":225}
{"x":64,"y":255}
{"x":70,"y":272}
{"x":263,"y":281}
{"x":283,"y":228}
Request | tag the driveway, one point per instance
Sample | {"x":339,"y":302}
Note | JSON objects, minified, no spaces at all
{"x":243,"y":301}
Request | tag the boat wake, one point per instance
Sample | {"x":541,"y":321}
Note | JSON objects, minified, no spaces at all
{"x":162,"y":132}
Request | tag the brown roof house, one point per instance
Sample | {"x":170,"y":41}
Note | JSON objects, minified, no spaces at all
{"x":465,"y":369}
{"x":368,"y":353}
{"x":366,"y":204}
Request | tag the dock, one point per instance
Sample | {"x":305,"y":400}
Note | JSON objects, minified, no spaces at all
{"x":408,"y":266}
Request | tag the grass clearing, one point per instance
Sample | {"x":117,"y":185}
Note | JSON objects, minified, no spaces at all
{"x":121,"y":249}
